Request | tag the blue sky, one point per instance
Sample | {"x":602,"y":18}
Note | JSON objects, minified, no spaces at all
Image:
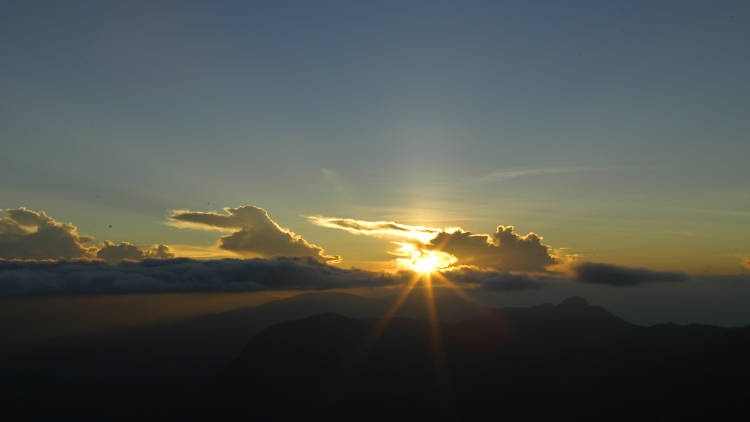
{"x":616,"y":130}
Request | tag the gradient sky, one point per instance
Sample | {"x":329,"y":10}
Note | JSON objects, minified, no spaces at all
{"x":617,"y":130}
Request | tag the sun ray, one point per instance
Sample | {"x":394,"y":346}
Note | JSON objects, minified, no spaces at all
{"x":460,"y":291}
{"x":436,"y":338}
{"x":386,"y":319}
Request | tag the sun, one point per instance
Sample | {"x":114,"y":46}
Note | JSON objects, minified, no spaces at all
{"x":424,"y":261}
{"x":425,"y":264}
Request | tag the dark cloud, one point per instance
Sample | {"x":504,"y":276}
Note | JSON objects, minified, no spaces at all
{"x":27,"y":234}
{"x":504,"y":250}
{"x":614,"y":275}
{"x":256,"y":233}
{"x":29,"y":278}
{"x":115,"y":253}
{"x":493,"y":280}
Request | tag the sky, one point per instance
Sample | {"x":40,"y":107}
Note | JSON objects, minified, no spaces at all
{"x":614,"y":133}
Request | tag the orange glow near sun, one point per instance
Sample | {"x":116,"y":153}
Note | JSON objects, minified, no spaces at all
{"x":423,"y":261}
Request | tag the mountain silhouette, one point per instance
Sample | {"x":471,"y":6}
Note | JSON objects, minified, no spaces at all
{"x":567,"y":356}
{"x":329,"y":352}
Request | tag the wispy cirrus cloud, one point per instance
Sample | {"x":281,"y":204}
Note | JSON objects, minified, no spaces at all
{"x":382,"y":229}
{"x":514,"y":173}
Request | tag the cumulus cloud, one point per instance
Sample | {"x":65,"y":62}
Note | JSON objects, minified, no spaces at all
{"x":504,"y":250}
{"x":254,"y":233}
{"x":124,"y":251}
{"x":29,"y":278}
{"x":160,"y":251}
{"x":27,"y":234}
{"x":493,"y":280}
{"x":614,"y":275}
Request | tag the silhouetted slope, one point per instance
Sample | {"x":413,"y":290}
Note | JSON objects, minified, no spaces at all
{"x":569,"y":355}
{"x":192,"y":350}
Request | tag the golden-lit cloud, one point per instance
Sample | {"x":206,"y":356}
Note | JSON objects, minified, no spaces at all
{"x":253,"y":233}
{"x":503,"y":250}
{"x":27,"y":234}
{"x":382,"y":229}
{"x":31,"y":235}
{"x":115,"y":253}
{"x":746,"y":262}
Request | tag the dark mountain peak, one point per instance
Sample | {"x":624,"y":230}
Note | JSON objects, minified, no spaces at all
{"x":574,"y":301}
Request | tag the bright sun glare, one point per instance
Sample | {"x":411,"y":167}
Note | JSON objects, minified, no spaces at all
{"x":425,"y":261}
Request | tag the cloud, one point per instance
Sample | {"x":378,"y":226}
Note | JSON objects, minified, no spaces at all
{"x":746,"y":262}
{"x":115,"y":253}
{"x":504,"y":250}
{"x":160,"y":251}
{"x":254,"y":233}
{"x":493,"y":280}
{"x":384,"y":229}
{"x":27,"y":234}
{"x":39,"y":278}
{"x":614,"y":275}
{"x":507,"y":174}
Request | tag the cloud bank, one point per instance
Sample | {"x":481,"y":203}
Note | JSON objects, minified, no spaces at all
{"x":614,"y":275}
{"x":44,"y":278}
{"x":254,"y":234}
{"x":493,"y":280}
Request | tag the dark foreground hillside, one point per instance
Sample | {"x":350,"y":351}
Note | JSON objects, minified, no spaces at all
{"x":548,"y":359}
{"x":545,"y":359}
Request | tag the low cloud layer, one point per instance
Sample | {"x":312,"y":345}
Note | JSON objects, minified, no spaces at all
{"x":614,"y":275}
{"x":493,"y":280}
{"x":27,"y":234}
{"x":255,"y":233}
{"x":43,"y":278}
